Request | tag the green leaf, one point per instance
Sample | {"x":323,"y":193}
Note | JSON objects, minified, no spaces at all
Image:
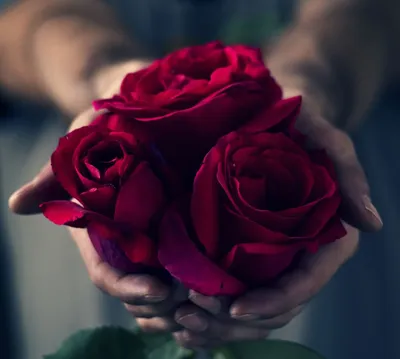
{"x":266,"y":349}
{"x":101,"y":343}
{"x":118,"y":343}
{"x":160,"y":346}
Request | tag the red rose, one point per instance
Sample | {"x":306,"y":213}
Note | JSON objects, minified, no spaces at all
{"x":118,"y":194}
{"x":258,"y":200}
{"x":194,"y":96}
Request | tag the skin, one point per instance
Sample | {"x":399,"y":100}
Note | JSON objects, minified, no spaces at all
{"x":301,"y":63}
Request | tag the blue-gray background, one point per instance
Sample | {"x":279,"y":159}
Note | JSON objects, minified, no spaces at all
{"x":45,"y":292}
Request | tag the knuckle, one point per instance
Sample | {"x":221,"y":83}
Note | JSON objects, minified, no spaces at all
{"x":191,"y":340}
{"x":299,"y":288}
{"x":153,"y":325}
{"x":96,"y":277}
{"x":145,"y":283}
{"x":341,"y":145}
{"x":185,"y":339}
{"x":187,"y":311}
{"x":312,"y":286}
{"x":145,"y":311}
{"x":145,"y":325}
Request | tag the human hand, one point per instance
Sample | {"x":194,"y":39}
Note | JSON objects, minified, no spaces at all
{"x":212,"y":321}
{"x":144,"y":296}
{"x":256,"y":312}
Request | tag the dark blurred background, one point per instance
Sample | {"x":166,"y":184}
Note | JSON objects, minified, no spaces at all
{"x":45,"y":291}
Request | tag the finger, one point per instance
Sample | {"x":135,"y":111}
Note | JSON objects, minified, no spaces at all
{"x":190,"y":340}
{"x":178,"y":296}
{"x":227,"y":333}
{"x":273,"y":323}
{"x":138,"y":289}
{"x":84,"y":119}
{"x":298,"y":286}
{"x":158,"y":324}
{"x":214,"y":305}
{"x":198,"y":321}
{"x":358,"y":209}
{"x":151,"y":311}
{"x":44,"y":186}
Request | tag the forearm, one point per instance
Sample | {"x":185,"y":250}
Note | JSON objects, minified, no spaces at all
{"x":53,"y":50}
{"x":338,"y":54}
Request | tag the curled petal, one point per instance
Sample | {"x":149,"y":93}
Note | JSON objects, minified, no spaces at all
{"x":204,"y":203}
{"x":280,"y":116}
{"x":180,"y":257}
{"x":111,"y":252}
{"x":140,"y":198}
{"x":62,"y":160}
{"x":67,"y":213}
{"x":257,"y":263}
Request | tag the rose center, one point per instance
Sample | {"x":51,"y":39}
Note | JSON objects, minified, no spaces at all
{"x":268,"y":185}
{"x":104,"y":155}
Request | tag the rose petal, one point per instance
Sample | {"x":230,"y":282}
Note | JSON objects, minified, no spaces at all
{"x":110,"y":252}
{"x":139,"y":249}
{"x":332,"y":231}
{"x":92,"y":171}
{"x":240,"y":229}
{"x":274,"y":221}
{"x":221,"y":77}
{"x":100,"y":199}
{"x":140,"y":197}
{"x":252,"y":190}
{"x":179,"y":256}
{"x":318,"y":218}
{"x":129,"y":83}
{"x":96,"y":136}
{"x":257,"y":263}
{"x":277,"y":117}
{"x":119,"y":124}
{"x":204,"y":203}
{"x":148,"y":84}
{"x":62,"y":160}
{"x":70,"y":214}
{"x":252,"y":53}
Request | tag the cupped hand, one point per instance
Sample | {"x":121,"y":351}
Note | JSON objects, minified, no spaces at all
{"x":252,"y":315}
{"x":212,"y":321}
{"x":147,"y":298}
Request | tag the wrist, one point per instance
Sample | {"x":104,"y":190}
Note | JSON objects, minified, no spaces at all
{"x":73,"y":76}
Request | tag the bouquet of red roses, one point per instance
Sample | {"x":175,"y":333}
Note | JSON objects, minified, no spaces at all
{"x":195,"y":169}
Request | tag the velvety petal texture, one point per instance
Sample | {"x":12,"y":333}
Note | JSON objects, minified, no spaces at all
{"x":194,"y":95}
{"x":195,"y":171}
{"x":259,"y":200}
{"x":110,"y":175}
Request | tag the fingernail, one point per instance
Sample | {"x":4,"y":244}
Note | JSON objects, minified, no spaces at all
{"x":211,"y":304}
{"x":193,"y":322}
{"x":372,"y":209}
{"x":244,"y":317}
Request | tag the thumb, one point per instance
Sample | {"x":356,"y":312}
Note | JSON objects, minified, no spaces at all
{"x":357,"y":208}
{"x":44,"y":187}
